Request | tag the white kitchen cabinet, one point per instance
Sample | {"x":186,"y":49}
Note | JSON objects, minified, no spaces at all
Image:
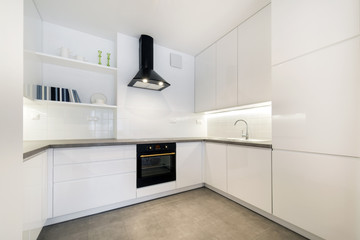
{"x":302,"y":26}
{"x":254,"y":59}
{"x":215,"y":165}
{"x":34,"y":195}
{"x":316,"y":101}
{"x":189,"y":164}
{"x":249,"y":175}
{"x":319,"y":193}
{"x":236,"y":69}
{"x":205,"y":80}
{"x":226,"y":71}
{"x":83,"y":194}
{"x":91,"y":177}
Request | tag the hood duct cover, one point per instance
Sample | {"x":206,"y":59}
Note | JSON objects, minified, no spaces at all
{"x":146,"y":77}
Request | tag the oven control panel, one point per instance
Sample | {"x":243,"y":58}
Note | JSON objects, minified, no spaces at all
{"x":156,"y":148}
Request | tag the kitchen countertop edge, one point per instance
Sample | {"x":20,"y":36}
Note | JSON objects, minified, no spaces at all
{"x":32,"y":148}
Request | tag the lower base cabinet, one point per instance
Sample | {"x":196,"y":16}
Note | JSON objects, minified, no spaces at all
{"x":79,"y":195}
{"x":86,"y":178}
{"x":319,"y":193}
{"x":189,"y":164}
{"x":249,"y":175}
{"x":215,"y":165}
{"x":34,"y":195}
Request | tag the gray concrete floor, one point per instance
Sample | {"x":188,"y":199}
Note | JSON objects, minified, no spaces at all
{"x":193,"y":215}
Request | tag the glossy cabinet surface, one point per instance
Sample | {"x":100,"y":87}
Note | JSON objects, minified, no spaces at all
{"x":215,"y":165}
{"x":83,"y":194}
{"x":316,"y":101}
{"x":205,"y":80}
{"x":249,"y":175}
{"x":34,"y":195}
{"x":295,"y":33}
{"x":226,"y":71}
{"x":92,"y":177}
{"x":254,"y":58}
{"x":93,"y":154}
{"x":319,"y":193}
{"x":236,"y":69}
{"x":189,"y":164}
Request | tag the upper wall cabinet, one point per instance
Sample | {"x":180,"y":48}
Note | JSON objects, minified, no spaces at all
{"x":226,"y":71}
{"x":236,"y":70}
{"x":301,"y":26}
{"x":254,"y":59}
{"x":205,"y":76}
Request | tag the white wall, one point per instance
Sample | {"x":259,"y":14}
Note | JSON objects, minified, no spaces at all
{"x":11,"y":91}
{"x":258,"y":119}
{"x":152,"y":114}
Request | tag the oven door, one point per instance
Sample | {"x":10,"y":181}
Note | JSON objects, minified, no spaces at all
{"x":155,"y":168}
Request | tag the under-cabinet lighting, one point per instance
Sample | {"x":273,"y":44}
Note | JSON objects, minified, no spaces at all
{"x":259,"y":108}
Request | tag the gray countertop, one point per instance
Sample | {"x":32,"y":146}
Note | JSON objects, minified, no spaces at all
{"x":31,"y":148}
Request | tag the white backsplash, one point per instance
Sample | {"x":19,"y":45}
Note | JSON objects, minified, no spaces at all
{"x":49,"y":121}
{"x":258,"y":119}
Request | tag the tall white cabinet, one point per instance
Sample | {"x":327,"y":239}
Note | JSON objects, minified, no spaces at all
{"x":319,"y":193}
{"x":316,"y":135}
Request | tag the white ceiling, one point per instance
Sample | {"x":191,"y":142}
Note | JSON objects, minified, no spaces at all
{"x":188,"y":26}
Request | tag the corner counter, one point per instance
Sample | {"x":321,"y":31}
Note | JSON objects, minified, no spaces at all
{"x":31,"y":148}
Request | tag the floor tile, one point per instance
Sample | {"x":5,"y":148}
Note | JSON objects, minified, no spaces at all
{"x":199,"y":214}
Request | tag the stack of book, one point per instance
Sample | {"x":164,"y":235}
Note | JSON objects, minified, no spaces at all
{"x":57,"y":94}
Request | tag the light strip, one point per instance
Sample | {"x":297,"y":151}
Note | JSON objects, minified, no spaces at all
{"x":256,"y":105}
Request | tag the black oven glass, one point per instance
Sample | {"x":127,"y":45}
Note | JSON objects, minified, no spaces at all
{"x":156,"y":163}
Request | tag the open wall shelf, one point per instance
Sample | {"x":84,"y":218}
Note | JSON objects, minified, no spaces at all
{"x":73,"y":63}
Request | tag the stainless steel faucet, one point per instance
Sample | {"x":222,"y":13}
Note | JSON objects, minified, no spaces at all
{"x":246,"y":135}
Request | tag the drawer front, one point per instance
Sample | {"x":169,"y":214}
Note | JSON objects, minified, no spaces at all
{"x":93,"y":154}
{"x":70,"y":172}
{"x":75,"y":196}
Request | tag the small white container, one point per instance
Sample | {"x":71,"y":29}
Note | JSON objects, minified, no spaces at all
{"x":64,"y":52}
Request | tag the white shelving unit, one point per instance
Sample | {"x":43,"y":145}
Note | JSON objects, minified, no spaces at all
{"x":73,"y":63}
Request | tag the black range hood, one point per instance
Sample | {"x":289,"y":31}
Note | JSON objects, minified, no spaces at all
{"x":146,"y":77}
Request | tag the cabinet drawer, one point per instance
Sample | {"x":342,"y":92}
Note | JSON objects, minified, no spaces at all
{"x":92,"y":154}
{"x":94,"y":169}
{"x":74,"y":196}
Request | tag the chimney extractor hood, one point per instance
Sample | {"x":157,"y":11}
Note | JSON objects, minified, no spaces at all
{"x":146,"y":77}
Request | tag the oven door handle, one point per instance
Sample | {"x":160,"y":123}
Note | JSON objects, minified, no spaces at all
{"x":160,"y":154}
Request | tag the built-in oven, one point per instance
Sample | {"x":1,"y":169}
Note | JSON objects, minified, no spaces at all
{"x":156,"y":163}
